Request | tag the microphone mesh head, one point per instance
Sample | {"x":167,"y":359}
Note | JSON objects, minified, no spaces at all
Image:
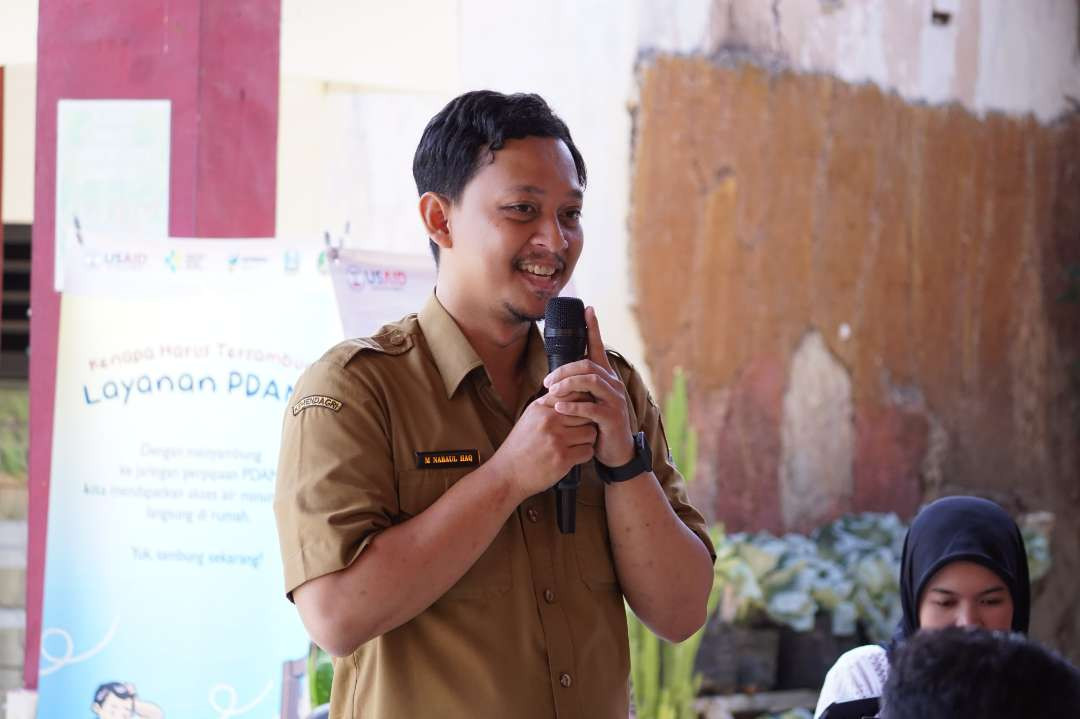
{"x":565,"y":335}
{"x":565,"y":313}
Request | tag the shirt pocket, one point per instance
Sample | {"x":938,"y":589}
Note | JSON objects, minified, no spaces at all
{"x":489,"y":576}
{"x":592,"y":544}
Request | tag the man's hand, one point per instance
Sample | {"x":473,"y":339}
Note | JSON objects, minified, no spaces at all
{"x":606,"y":403}
{"x":664,"y":570}
{"x":542,"y":447}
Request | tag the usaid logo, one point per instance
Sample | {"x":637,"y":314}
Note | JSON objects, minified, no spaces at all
{"x":116,"y":260}
{"x":375,"y":278}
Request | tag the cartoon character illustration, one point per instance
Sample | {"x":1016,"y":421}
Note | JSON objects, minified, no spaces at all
{"x":117,"y":700}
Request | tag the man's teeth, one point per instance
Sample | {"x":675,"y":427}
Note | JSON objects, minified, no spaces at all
{"x":539,"y":270}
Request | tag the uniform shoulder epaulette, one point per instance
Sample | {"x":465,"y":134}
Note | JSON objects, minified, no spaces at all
{"x":390,"y":340}
{"x":393,"y":340}
{"x":615,"y":354}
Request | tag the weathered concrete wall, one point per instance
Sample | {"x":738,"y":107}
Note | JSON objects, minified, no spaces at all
{"x":866,"y":295}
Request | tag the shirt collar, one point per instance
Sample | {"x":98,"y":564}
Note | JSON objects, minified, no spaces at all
{"x":536,"y":364}
{"x":456,"y":358}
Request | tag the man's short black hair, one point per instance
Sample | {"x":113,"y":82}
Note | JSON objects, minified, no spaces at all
{"x":470,"y":129}
{"x":958,"y":672}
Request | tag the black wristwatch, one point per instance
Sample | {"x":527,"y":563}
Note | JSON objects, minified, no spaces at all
{"x":640,"y":462}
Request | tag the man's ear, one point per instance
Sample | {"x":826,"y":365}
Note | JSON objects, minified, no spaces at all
{"x":435,"y":213}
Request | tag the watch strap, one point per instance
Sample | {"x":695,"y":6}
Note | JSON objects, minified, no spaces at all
{"x":639,"y":463}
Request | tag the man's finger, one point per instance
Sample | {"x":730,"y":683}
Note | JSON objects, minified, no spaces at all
{"x":585,"y":366}
{"x":595,"y":385}
{"x":587,"y":411}
{"x":596,"y":342}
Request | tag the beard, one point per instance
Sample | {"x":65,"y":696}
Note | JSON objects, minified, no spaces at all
{"x":519,"y":315}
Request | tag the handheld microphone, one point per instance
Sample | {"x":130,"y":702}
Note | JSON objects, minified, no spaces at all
{"x":565,"y":341}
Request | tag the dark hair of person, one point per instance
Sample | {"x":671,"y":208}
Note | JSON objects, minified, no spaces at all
{"x":468,"y":132}
{"x":958,"y":672}
{"x":120,"y":691}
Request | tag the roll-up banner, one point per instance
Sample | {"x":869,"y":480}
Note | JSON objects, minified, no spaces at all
{"x":163,"y":581}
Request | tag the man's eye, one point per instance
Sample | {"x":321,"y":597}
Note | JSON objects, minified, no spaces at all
{"x":945,"y":603}
{"x":521,"y":208}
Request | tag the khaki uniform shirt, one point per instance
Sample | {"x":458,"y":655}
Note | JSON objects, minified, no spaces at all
{"x":537,"y":626}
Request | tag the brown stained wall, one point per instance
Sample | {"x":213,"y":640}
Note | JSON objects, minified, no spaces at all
{"x":767,"y":206}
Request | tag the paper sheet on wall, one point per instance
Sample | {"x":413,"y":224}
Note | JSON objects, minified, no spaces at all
{"x":112,"y":171}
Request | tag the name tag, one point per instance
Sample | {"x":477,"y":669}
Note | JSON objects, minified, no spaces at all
{"x":447,"y":459}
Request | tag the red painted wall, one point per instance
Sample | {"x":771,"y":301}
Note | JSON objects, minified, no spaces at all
{"x":218,"y":64}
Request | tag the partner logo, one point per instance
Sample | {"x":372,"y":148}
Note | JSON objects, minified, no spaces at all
{"x":292,"y":262}
{"x":247,"y":262}
{"x":189,"y":262}
{"x":375,"y":278}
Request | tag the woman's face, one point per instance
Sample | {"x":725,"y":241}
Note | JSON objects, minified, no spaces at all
{"x":965,"y":594}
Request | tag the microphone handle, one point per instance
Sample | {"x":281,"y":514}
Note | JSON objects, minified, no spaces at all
{"x":566,"y":488}
{"x":566,"y":500}
{"x":559,"y":359}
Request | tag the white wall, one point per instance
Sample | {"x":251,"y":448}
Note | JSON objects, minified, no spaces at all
{"x":404,"y":45}
{"x":580,"y":57}
{"x":1028,"y":56}
{"x":18,"y":55}
{"x":18,"y":31}
{"x":345,"y":150}
{"x":20,"y":83}
{"x":345,"y":164}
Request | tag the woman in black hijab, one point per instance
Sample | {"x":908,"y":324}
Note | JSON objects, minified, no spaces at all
{"x":964,"y":531}
{"x":963,"y":564}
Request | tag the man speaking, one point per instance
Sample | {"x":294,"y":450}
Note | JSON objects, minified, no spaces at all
{"x":414,"y":503}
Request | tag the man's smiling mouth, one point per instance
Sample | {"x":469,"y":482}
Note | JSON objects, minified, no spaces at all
{"x":539,"y":270}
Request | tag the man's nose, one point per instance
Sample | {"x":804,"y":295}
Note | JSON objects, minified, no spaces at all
{"x":551,"y":235}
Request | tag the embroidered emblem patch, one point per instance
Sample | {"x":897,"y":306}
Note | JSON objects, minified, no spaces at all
{"x":447,"y":459}
{"x":316,"y":400}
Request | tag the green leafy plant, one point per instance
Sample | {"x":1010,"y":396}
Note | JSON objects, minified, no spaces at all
{"x":320,"y":674}
{"x":662,"y":673}
{"x":849,"y":568}
{"x":14,"y":434}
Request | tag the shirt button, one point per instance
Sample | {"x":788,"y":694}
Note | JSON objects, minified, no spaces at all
{"x":532,"y":514}
{"x":565,"y":680}
{"x":549,"y":596}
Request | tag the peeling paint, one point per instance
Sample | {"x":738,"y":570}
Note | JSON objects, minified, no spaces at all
{"x":981,"y":53}
{"x":818,"y":437}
